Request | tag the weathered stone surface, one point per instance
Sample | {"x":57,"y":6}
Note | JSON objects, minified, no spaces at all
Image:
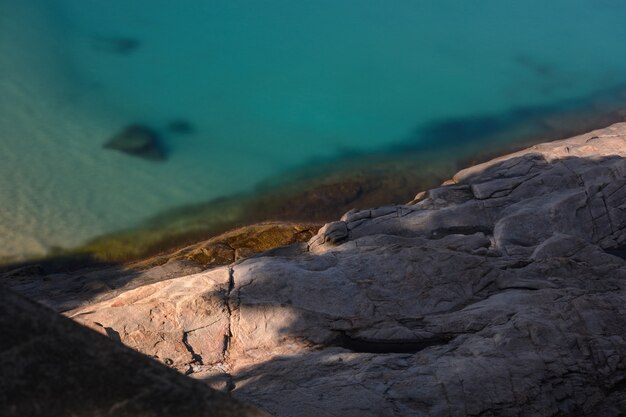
{"x":63,"y":290}
{"x":183,"y":323}
{"x":138,"y":140}
{"x":238,"y":244}
{"x":575,"y":186}
{"x":497,"y":294}
{"x":333,"y":232}
{"x":50,"y":366}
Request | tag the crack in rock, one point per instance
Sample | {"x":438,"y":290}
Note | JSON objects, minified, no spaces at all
{"x":195,"y":358}
{"x":230,"y":383}
{"x":229,"y":334}
{"x":359,"y":345}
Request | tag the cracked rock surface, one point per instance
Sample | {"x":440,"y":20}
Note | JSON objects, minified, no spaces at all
{"x":61,"y":289}
{"x":51,"y":366}
{"x":500,"y":293}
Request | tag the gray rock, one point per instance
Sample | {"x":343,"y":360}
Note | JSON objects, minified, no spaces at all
{"x":332,"y":232}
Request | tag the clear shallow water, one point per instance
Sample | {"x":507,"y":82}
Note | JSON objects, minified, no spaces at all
{"x":268,"y":86}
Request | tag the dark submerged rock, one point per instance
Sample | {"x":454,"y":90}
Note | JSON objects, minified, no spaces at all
{"x":138,"y":140}
{"x":181,"y":127}
{"x":116,"y":45}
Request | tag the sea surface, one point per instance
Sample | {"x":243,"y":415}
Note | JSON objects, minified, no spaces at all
{"x":256,"y":89}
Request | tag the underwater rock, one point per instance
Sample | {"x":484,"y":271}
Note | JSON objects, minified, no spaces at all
{"x":181,"y":127}
{"x":116,"y":45}
{"x":138,"y":140}
{"x":540,"y":69}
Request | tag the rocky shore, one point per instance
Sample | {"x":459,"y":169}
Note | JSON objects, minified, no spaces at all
{"x":500,"y":293}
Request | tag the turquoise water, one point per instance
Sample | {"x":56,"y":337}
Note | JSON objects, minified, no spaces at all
{"x":266,"y":86}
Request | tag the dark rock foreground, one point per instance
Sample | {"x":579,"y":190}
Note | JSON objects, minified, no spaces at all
{"x":51,"y":366}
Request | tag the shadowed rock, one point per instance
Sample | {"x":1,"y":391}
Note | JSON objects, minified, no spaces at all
{"x":139,"y":141}
{"x":51,"y":366}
